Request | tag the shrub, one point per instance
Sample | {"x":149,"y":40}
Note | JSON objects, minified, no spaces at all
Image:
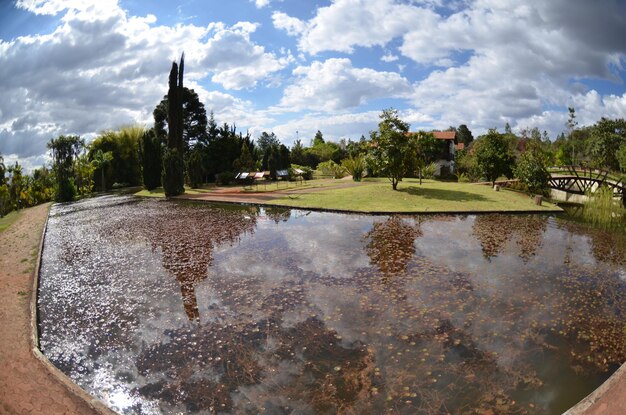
{"x":531,"y":171}
{"x":65,"y":190}
{"x":428,"y":172}
{"x":225,"y":178}
{"x":330,"y":168}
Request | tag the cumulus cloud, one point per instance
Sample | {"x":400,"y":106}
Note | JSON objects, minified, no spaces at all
{"x":500,"y":61}
{"x":101,"y":68}
{"x":349,"y":23}
{"x":335,"y":85}
{"x":235,"y":59}
{"x":261,"y":3}
{"x":292,"y":25}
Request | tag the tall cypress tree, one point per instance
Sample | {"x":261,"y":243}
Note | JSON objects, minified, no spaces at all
{"x":173,"y":166}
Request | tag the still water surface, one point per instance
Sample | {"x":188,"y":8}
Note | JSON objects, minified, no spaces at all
{"x":161,"y":307}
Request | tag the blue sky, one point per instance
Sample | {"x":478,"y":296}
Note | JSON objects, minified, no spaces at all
{"x":81,"y":67}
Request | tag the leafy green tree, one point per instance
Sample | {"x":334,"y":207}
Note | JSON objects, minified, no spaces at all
{"x":394,"y":149}
{"x":607,"y":136}
{"x":224,"y":148}
{"x":464,"y":135}
{"x":244,"y":162}
{"x":531,"y":170}
{"x":101,"y":160}
{"x":266,"y":141}
{"x":355,"y":166}
{"x":297,"y":153}
{"x":151,"y":150}
{"x":84,"y":170}
{"x":621,"y":157}
{"x":562,"y":157}
{"x":64,"y":150}
{"x":493,"y":156}
{"x":318,"y":139}
{"x":173,"y":176}
{"x":194,"y":119}
{"x":195,"y":167}
{"x":427,"y":148}
{"x":125,"y":147}
{"x":326,"y":150}
{"x":5,"y":200}
{"x":41,"y":187}
{"x":465,"y":164}
{"x":18,"y":187}
{"x":272,"y":161}
{"x":284,"y":159}
{"x":3,"y":170}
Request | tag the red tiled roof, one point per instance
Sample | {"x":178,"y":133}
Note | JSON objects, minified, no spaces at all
{"x":460,"y":146}
{"x":445,"y":135}
{"x":441,"y":135}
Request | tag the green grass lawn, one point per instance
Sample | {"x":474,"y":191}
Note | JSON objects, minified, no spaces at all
{"x":159,"y":192}
{"x":260,"y":188}
{"x":376,"y":195}
{"x":9,"y":219}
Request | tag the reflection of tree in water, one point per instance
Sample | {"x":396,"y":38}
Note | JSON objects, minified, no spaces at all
{"x":431,"y":340}
{"x":187,"y":236}
{"x":606,"y":246}
{"x":391,"y":244}
{"x":494,"y":231}
{"x":278,"y":214}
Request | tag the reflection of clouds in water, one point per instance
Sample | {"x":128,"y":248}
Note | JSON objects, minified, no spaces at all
{"x":312,"y":274}
{"x":323,"y":248}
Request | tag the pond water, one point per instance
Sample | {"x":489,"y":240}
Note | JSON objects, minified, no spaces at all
{"x":157,"y":306}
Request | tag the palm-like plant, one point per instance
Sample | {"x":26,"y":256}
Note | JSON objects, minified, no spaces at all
{"x":355,"y":166}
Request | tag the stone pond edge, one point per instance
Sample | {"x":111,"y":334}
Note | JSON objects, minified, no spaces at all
{"x":101,"y":408}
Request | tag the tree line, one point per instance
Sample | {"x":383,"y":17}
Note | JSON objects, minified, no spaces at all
{"x":184,"y":146}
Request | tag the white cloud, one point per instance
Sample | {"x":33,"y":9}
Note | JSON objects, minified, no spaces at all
{"x":261,"y":3}
{"x":236,"y":61}
{"x":293,"y":26}
{"x":335,"y":85}
{"x":54,"y":7}
{"x":501,"y":61}
{"x":349,"y":23}
{"x":100,"y":68}
{"x":388,"y":57}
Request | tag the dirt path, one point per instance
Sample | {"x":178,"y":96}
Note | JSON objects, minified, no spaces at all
{"x":27,"y":386}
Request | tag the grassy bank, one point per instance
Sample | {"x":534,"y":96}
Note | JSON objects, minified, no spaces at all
{"x":9,"y":219}
{"x":376,"y":195}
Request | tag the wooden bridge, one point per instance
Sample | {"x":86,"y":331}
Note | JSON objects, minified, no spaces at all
{"x":582,"y":180}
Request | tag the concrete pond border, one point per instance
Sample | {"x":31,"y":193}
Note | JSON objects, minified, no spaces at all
{"x":95,"y":404}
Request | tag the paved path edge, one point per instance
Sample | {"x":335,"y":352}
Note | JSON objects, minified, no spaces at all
{"x":95,"y":404}
{"x":600,"y":397}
